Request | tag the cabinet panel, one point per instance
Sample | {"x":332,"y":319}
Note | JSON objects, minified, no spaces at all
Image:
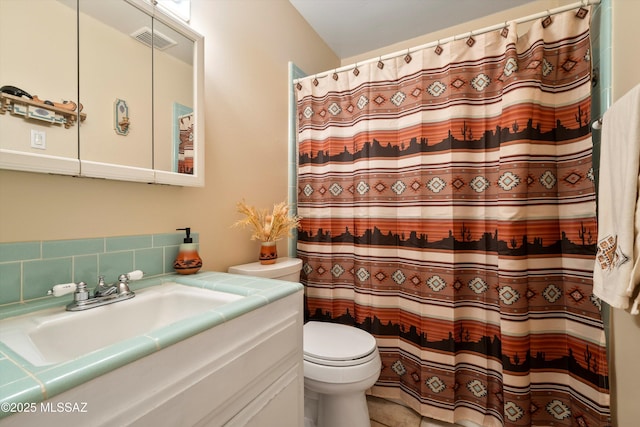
{"x":115,"y":65}
{"x":173,"y":107}
{"x":276,"y":406}
{"x":41,"y":59}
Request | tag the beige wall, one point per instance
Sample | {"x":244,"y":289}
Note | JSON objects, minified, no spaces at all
{"x":625,"y":327}
{"x":248,"y":44}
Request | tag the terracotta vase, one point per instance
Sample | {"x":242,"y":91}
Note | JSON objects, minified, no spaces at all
{"x":268,"y":253}
{"x":188,"y":261}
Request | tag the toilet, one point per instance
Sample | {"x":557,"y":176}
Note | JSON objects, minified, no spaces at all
{"x":340,"y":362}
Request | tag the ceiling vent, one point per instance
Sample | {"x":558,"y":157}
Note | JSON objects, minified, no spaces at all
{"x":155,"y":39}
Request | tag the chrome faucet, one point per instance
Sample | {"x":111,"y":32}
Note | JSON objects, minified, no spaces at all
{"x":102,"y":290}
{"x":103,"y":294}
{"x":123,"y":285}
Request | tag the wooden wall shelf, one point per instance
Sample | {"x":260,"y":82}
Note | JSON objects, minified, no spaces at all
{"x":12,"y":103}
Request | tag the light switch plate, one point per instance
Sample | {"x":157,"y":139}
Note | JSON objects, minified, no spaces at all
{"x":38,"y":139}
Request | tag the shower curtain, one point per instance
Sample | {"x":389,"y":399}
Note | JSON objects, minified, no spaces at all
{"x":448,"y":208}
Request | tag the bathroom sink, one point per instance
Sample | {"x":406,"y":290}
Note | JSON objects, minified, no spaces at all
{"x":54,"y":336}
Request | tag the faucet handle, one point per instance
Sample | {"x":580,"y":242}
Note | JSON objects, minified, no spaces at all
{"x":62,"y":289}
{"x":123,"y":284}
{"x":135,"y":275}
{"x":82,"y":293}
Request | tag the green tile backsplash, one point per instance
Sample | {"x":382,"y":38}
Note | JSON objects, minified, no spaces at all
{"x":10,"y":289}
{"x":37,"y":276}
{"x":29,"y":269}
{"x":128,"y":242}
{"x":20,"y":251}
{"x":61,"y":248}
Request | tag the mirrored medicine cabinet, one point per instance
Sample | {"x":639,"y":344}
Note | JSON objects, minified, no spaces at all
{"x":113,"y":90}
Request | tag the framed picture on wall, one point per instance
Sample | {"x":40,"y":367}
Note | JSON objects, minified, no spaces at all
{"x":182,"y":139}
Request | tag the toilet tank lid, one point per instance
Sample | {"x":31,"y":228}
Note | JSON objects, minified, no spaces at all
{"x":282,"y":267}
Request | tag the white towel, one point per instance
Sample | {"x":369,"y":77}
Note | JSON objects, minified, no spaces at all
{"x":617,"y":268}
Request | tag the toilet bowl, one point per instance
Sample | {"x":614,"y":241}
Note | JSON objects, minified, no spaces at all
{"x":340,"y":362}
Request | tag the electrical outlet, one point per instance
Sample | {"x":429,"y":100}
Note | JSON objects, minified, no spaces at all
{"x":38,"y":139}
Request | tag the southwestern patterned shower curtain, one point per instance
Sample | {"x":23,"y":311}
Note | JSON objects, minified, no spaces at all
{"x":449,"y":209}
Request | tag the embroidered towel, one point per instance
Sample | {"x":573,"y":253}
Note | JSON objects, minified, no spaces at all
{"x":617,"y":268}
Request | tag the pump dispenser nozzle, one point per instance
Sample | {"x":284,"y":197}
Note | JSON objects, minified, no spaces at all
{"x":188,"y":261}
{"x":187,"y":239}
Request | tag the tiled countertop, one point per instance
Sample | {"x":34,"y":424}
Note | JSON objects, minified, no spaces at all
{"x":22,"y":382}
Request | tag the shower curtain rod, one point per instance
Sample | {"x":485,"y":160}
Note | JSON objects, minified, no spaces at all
{"x":548,"y":12}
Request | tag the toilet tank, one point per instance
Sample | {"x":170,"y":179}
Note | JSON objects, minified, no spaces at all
{"x":284,"y":269}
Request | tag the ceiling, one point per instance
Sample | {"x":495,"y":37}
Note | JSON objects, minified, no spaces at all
{"x":354,"y":27}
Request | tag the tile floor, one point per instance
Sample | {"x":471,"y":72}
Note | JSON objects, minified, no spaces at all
{"x":385,"y":413}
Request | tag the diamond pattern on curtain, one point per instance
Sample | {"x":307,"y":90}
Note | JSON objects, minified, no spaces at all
{"x":448,"y":208}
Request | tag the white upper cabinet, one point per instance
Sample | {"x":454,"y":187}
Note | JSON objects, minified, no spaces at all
{"x":135,"y":75}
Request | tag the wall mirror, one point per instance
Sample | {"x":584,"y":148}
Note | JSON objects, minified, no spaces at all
{"x":40,"y":59}
{"x":135,"y":75}
{"x":173,"y":101}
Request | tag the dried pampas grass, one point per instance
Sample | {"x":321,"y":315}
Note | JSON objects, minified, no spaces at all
{"x":268,"y":227}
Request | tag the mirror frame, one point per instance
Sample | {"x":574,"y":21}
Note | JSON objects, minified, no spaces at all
{"x":197,"y":179}
{"x":42,"y":163}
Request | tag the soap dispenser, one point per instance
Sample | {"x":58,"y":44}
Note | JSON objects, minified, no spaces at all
{"x":188,"y":261}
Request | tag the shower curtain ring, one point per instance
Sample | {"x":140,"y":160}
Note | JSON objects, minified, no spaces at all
{"x":471,"y":41}
{"x":505,"y":30}
{"x":438,"y":50}
{"x":547,"y":21}
{"x":407,"y":57}
{"x":582,"y":10}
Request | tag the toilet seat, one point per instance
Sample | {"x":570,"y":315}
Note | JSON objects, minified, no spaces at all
{"x":332,"y":344}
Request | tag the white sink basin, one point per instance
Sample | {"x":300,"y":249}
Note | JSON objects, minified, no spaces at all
{"x":53,"y":335}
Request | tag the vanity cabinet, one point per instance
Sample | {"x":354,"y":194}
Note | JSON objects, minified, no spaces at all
{"x":246,"y":371}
